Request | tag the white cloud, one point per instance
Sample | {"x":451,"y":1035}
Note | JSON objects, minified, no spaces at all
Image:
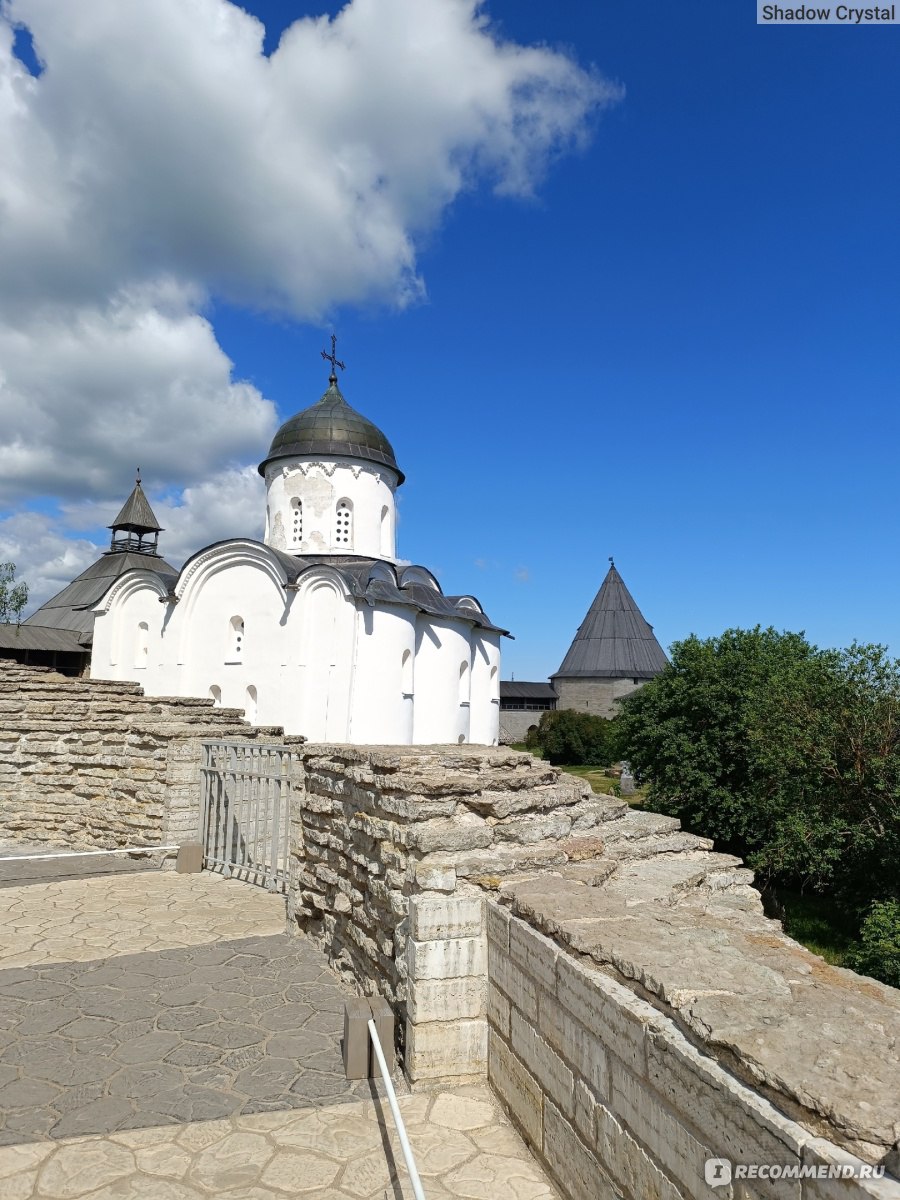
{"x":85,"y":390}
{"x":233,"y":504}
{"x":161,"y":159}
{"x":160,"y":139}
{"x":45,"y":557}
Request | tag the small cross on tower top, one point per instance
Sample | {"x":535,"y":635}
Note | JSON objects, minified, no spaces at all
{"x":334,"y":360}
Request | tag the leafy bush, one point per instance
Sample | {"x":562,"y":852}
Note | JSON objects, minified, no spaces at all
{"x":877,"y":953}
{"x":785,"y":753}
{"x":571,"y":738}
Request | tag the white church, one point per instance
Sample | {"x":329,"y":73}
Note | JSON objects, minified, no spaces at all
{"x":317,"y":628}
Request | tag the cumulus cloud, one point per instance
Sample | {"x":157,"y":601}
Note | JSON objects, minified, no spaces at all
{"x":161,"y":160}
{"x":50,"y":550}
{"x":233,"y":504}
{"x":160,"y":139}
{"x":86,"y":389}
{"x":46,"y":558}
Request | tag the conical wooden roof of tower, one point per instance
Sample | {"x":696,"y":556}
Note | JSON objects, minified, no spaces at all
{"x":614,"y":641}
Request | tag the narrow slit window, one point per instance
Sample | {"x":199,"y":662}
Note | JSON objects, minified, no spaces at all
{"x":343,"y":531}
{"x":236,"y":639}
{"x":297,"y":520}
{"x":464,"y":683}
{"x":142,"y":646}
{"x":406,"y":673}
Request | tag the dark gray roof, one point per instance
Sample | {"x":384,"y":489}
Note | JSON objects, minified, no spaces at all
{"x":377,"y":579}
{"x":71,"y":608}
{"x":331,"y":427}
{"x":614,"y":641}
{"x":136,"y":514}
{"x":513,"y":689}
{"x":40,"y":637}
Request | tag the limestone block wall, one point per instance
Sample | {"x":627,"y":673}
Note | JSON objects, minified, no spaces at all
{"x":595,"y":696}
{"x":393,"y":846}
{"x":515,"y":723}
{"x":96,"y":764}
{"x":619,"y":1101}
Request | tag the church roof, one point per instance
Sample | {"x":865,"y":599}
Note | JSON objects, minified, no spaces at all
{"x":377,"y":580}
{"x":71,"y":608}
{"x":614,"y":641}
{"x":331,"y":427}
{"x":136,"y":514}
{"x":39,"y":637}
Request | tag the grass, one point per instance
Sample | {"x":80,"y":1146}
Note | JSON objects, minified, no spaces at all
{"x":601,"y":783}
{"x":816,"y":922}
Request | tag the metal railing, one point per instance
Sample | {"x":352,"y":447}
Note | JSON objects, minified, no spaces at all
{"x":395,"y":1112}
{"x":246,"y":812}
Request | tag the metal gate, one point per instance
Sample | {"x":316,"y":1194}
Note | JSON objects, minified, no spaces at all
{"x":246,"y":812}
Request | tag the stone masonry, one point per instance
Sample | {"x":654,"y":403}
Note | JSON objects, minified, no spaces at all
{"x":615,"y":978}
{"x":89,"y":763}
{"x":637,"y":1011}
{"x":393,"y":845}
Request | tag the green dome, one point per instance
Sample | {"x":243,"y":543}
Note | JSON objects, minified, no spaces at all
{"x":331,"y":427}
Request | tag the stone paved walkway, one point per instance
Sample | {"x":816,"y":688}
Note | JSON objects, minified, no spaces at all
{"x":162,"y":1038}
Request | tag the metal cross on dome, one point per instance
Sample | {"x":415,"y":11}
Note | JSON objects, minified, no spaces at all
{"x":334,"y":360}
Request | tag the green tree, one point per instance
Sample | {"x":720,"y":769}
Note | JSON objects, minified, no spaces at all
{"x":571,"y":738}
{"x":877,"y":953}
{"x":785,"y":753}
{"x":13,"y":596}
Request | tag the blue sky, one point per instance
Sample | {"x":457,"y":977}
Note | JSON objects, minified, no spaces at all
{"x":681,"y":350}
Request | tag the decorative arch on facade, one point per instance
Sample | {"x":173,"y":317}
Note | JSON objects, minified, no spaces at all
{"x":383,"y":571}
{"x":215,"y":694}
{"x":123,"y":633}
{"x":129,"y":584}
{"x":420,"y":575}
{"x":198,"y":570}
{"x":469,"y":602}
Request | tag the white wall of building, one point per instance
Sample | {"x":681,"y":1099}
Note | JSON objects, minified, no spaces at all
{"x":313,"y":659}
{"x":334,"y":506}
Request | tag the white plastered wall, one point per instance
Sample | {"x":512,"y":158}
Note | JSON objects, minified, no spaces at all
{"x":384,"y":676}
{"x":320,"y":485}
{"x":484,"y":708}
{"x":314,"y":660}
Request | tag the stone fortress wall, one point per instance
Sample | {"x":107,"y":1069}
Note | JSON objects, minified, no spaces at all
{"x":94,"y":764}
{"x":595,"y":696}
{"x":614,"y":977}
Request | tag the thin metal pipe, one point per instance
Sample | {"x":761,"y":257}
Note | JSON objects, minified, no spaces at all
{"x":398,"y":1119}
{"x":85,"y":853}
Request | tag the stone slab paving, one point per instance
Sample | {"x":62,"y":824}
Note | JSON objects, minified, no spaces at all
{"x":188,"y":1034}
{"x":465,"y":1150}
{"x":78,"y":920}
{"x":161,"y":1037}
